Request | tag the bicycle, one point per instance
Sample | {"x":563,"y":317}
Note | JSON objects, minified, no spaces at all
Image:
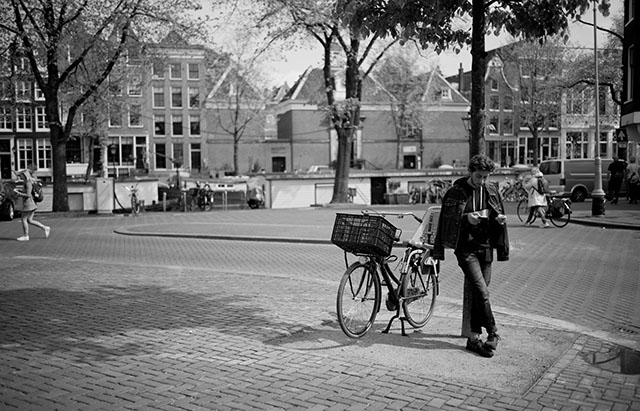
{"x":136,"y":205}
{"x":558,"y":210}
{"x":370,"y":236}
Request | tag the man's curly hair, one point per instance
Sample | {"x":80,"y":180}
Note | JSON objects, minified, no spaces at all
{"x":480,"y":162}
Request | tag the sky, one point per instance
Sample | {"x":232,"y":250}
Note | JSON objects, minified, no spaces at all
{"x":297,"y":60}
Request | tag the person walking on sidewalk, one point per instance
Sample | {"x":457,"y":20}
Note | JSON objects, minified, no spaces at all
{"x":29,"y":206}
{"x":633,"y":181}
{"x":472,"y":222}
{"x":617,"y":171}
{"x":537,"y":189}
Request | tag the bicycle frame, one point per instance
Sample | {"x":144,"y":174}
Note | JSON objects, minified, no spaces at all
{"x":380,"y":266}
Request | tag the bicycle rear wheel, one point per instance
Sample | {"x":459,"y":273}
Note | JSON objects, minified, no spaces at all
{"x":419,"y":291}
{"x":523,"y":210}
{"x":359,"y":297}
{"x":560,"y":221}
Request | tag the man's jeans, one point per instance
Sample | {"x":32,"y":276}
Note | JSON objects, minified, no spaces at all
{"x":476,"y":267}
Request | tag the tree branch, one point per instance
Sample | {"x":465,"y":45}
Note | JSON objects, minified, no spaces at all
{"x":613,"y":33}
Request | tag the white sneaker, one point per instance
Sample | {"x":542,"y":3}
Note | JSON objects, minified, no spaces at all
{"x":23,"y":238}
{"x":545,"y":225}
{"x":47,"y":231}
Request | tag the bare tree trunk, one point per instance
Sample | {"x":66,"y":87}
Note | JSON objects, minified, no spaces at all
{"x":478,"y":72}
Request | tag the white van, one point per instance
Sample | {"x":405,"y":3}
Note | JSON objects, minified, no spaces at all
{"x":574,"y":178}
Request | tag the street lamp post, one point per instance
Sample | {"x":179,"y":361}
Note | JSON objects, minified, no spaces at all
{"x":597,"y":196}
{"x":112,"y":151}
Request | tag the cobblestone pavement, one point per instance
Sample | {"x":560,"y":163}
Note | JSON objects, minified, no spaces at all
{"x":96,"y":320}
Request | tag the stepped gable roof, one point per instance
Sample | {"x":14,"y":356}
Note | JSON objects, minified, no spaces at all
{"x":310,"y":88}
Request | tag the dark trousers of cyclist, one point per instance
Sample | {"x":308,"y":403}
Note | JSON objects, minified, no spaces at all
{"x":476,"y":266}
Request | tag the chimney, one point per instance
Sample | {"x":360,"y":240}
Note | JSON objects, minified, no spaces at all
{"x":460,"y":77}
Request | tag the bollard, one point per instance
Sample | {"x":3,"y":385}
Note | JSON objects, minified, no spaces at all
{"x":184,"y":201}
{"x":164,"y":201}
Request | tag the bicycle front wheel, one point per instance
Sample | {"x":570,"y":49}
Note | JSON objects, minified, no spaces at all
{"x":523,"y":210}
{"x":135,"y":206}
{"x":560,"y":221}
{"x":419,"y":295}
{"x":359,"y":297}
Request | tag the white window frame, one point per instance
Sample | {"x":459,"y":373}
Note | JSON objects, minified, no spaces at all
{"x":157,"y":91}
{"x":41,"y":119}
{"x":44,"y":154}
{"x":23,"y":91}
{"x":191,"y":118}
{"x":189,"y":71}
{"x":172,"y":75}
{"x":111,"y":124}
{"x":193,"y":91}
{"x":24,"y":152}
{"x":24,"y":118}
{"x":173,"y":118}
{"x":134,"y":87}
{"x":181,"y":102}
{"x":6,"y":118}
{"x":132,"y":113}
{"x":155,"y":74}
{"x":157,"y":117}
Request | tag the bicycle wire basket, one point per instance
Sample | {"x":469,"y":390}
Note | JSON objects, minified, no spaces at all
{"x":362,"y":234}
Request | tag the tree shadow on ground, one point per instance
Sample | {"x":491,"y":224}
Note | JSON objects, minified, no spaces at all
{"x":106,"y":321}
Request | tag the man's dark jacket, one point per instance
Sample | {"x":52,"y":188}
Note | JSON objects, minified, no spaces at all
{"x":452,"y":213}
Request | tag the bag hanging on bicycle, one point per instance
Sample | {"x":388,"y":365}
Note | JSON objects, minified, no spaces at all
{"x":557,"y":208}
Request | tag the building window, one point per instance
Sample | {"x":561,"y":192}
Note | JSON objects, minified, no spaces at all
{"x":135,"y":86}
{"x":494,"y":102}
{"x":159,"y":125}
{"x":194,"y":125}
{"x":39,"y":94}
{"x":196,"y":156}
{"x":603,"y":145}
{"x":23,"y":91}
{"x":41,"y":119}
{"x":6,"y":121}
{"x":176,"y":97}
{"x":507,"y":125}
{"x":115,"y":87}
{"x":507,"y":103}
{"x":494,"y":84}
{"x":44,"y":153}
{"x":5,"y":90}
{"x":578,"y":101}
{"x":158,"y":97}
{"x":157,"y":70}
{"x":74,"y":150}
{"x":23,"y":118}
{"x":24,"y":149}
{"x":135,"y":115}
{"x":178,"y":152}
{"x":577,"y":145}
{"x":175,"y":71}
{"x":194,"y":97}
{"x":161,"y":156}
{"x":115,"y":117}
{"x":176,"y":125}
{"x":141,"y":153}
{"x":194,"y":71}
{"x":445,"y":94}
{"x":494,"y":123}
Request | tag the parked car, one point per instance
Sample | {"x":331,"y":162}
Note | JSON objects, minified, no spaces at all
{"x":7,"y":200}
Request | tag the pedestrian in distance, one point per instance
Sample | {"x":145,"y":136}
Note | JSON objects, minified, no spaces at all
{"x":616,"y":173}
{"x":633,"y":181}
{"x":473,"y":223}
{"x":29,"y":205}
{"x":537,"y":187}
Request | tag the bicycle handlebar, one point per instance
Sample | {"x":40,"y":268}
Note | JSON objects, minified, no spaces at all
{"x":369,"y":211}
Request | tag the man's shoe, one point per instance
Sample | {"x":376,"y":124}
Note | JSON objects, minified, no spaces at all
{"x":477,"y":347}
{"x":492,"y":342}
{"x":23,"y":238}
{"x":47,"y":231}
